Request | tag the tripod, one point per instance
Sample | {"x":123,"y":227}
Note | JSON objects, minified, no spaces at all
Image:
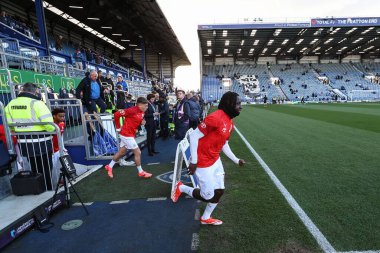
{"x":63,"y":176}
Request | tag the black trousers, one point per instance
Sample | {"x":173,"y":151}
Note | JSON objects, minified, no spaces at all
{"x":164,"y":125}
{"x":151,"y":136}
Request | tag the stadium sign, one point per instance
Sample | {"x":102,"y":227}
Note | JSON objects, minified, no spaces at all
{"x":321,"y":22}
{"x":254,"y":26}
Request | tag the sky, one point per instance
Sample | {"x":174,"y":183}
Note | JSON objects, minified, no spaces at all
{"x":185,"y":16}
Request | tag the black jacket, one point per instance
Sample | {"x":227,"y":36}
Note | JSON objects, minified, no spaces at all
{"x":149,"y":117}
{"x":85,"y":87}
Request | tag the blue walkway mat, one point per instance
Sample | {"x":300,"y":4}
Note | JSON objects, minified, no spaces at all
{"x":137,"y":226}
{"x":167,"y":149}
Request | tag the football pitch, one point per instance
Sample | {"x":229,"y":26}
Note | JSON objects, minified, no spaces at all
{"x":326,"y":156}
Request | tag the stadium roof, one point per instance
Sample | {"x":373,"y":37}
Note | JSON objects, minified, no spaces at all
{"x":327,"y":38}
{"x":121,"y":23}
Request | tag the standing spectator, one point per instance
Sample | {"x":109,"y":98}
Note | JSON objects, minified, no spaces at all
{"x":163,"y":107}
{"x":120,"y":97}
{"x":122,"y":82}
{"x":101,"y":77}
{"x":59,"y":43}
{"x":28,"y":107}
{"x":150,"y":117}
{"x":181,"y":115}
{"x":195,"y":110}
{"x":92,"y":93}
{"x":78,"y":57}
{"x":108,"y":80}
{"x":89,"y":55}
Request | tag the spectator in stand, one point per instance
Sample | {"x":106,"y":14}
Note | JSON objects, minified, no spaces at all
{"x":129,"y":103}
{"x":59,"y":43}
{"x":151,"y":114}
{"x":98,"y":59}
{"x":195,"y":110}
{"x":5,"y":19}
{"x":120,"y":97}
{"x":122,"y":82}
{"x":78,"y":57}
{"x":101,"y":77}
{"x":181,"y":115}
{"x":92,"y":93}
{"x":108,"y":80}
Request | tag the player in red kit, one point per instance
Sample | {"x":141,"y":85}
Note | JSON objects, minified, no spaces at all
{"x":59,"y":120}
{"x":206,"y":142}
{"x":133,"y":118}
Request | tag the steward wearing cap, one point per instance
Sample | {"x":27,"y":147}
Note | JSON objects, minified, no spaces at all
{"x":28,"y":108}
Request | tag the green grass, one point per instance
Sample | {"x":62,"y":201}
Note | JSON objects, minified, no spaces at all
{"x":327,"y":156}
{"x":125,"y":184}
{"x":255,"y":215}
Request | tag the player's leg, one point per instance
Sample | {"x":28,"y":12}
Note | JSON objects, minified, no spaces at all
{"x":137,"y":154}
{"x":122,"y":151}
{"x":217,"y":182}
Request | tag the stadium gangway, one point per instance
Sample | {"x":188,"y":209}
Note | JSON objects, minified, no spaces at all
{"x":35,"y":149}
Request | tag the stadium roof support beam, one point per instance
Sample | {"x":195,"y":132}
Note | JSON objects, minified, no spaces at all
{"x":42,"y":26}
{"x":349,"y":39}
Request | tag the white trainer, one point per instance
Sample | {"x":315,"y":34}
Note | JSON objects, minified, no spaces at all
{"x":123,"y":162}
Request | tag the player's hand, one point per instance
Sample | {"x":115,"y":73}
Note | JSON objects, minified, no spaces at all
{"x":191,"y":169}
{"x":241,"y":162}
{"x":143,"y":122}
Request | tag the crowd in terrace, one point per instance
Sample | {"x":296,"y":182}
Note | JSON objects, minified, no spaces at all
{"x":19,"y":24}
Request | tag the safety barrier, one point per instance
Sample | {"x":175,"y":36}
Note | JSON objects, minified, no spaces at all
{"x":5,"y":91}
{"x":36,"y":151}
{"x":101,"y":138}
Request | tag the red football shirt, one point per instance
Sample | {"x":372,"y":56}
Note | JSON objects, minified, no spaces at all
{"x":132,"y":120}
{"x":217,"y":128}
{"x":61,"y":126}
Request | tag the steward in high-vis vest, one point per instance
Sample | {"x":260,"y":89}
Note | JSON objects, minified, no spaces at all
{"x":28,"y":108}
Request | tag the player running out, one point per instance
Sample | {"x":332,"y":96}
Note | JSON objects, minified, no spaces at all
{"x":133,"y":118}
{"x":206,"y":142}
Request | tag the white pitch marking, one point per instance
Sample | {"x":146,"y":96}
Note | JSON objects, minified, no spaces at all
{"x":197,"y":214}
{"x":152,"y":163}
{"x":195,"y":242}
{"x":368,"y":251}
{"x":156,"y":199}
{"x":119,"y":202}
{"x":313,"y":229}
{"x":86,"y":204}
